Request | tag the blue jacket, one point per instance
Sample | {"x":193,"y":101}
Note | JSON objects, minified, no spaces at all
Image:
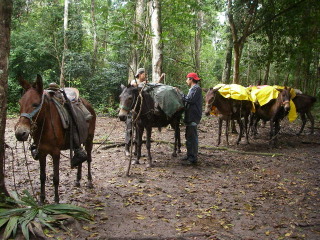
{"x":193,"y":105}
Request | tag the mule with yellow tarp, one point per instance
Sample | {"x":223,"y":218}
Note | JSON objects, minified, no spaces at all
{"x":272,"y":103}
{"x":230,"y":102}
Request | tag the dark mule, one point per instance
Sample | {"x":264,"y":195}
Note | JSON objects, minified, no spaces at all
{"x":229,"y":109}
{"x":274,"y":111}
{"x":40,"y":119}
{"x":303,"y":105}
{"x":147,"y":118}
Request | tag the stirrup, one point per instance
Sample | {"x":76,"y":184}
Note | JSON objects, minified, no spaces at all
{"x":79,"y":157}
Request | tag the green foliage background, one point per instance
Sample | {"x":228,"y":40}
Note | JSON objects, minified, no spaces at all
{"x":37,"y":45}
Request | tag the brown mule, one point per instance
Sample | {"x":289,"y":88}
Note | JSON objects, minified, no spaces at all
{"x":39,"y":118}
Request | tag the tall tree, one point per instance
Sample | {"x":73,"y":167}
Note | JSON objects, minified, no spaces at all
{"x":138,"y":31}
{"x":65,"y":42}
{"x":241,"y":20}
{"x":5,"y":21}
{"x":228,"y":60}
{"x":156,"y":44}
{"x":198,"y":40}
{"x":94,"y":32}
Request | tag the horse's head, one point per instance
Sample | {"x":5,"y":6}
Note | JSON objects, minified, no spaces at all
{"x":30,"y":104}
{"x":128,"y":98}
{"x":210,"y":97}
{"x":284,"y":98}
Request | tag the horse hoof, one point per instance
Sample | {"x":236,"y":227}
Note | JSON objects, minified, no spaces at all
{"x":77,"y":184}
{"x":135,"y":162}
{"x":179,"y":151}
{"x":174,"y":154}
{"x":90,"y":185}
{"x":127,"y":153}
{"x":150,"y":165}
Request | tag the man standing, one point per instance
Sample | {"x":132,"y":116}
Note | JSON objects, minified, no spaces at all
{"x":193,"y":113}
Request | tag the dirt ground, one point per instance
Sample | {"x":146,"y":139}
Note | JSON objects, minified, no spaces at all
{"x":228,"y":195}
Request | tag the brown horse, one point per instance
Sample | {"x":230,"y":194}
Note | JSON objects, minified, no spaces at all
{"x":274,"y":111}
{"x":229,"y":109}
{"x":303,"y":105}
{"x":39,"y":118}
{"x":146,"y":118}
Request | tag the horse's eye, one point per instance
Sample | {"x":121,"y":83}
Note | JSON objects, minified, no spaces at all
{"x":35,"y":105}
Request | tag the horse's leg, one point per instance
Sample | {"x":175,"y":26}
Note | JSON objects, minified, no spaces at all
{"x":227,"y":131}
{"x":304,"y":121}
{"x":219,"y":130}
{"x":271,"y":128}
{"x":56,"y":162}
{"x":233,"y":127}
{"x":311,"y":120}
{"x":241,"y":130}
{"x":79,"y":176}
{"x":148,"y":144}
{"x":174,"y":126}
{"x":255,"y":124}
{"x":43,"y":164}
{"x":246,"y":121}
{"x":139,"y":134}
{"x":274,"y":127}
{"x":88,"y":146}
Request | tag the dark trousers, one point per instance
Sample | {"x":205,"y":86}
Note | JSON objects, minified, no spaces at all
{"x":192,"y":141}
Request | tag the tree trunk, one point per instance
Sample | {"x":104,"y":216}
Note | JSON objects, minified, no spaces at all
{"x":65,"y":42}
{"x":94,"y":30}
{"x":200,"y":16}
{"x":237,"y":56}
{"x":5,"y":21}
{"x":155,"y":12}
{"x":228,"y":61}
{"x":239,"y":38}
{"x":138,"y":31}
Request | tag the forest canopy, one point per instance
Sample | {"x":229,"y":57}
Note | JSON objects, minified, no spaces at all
{"x":246,"y":42}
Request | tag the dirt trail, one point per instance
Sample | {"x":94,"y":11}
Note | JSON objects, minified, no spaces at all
{"x":226,"y":196}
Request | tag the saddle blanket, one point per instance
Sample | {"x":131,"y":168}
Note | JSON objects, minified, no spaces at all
{"x":166,"y":97}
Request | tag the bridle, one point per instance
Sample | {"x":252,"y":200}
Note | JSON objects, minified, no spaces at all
{"x":210,"y":104}
{"x":126,"y":108}
{"x":34,"y":112}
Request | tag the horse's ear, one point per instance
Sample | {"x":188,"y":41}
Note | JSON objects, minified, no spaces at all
{"x":123,"y":87}
{"x":205,"y":89}
{"x":23,"y":83}
{"x":38,"y":85}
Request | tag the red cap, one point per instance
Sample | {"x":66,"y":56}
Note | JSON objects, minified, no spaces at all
{"x":194,"y":76}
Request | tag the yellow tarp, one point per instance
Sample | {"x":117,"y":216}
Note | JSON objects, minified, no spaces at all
{"x":234,"y":91}
{"x":267,"y":93}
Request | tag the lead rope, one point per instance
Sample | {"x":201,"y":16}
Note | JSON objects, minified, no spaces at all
{"x":25,"y":156}
{"x":13,"y":173}
{"x":134,"y":119}
{"x":33,"y":127}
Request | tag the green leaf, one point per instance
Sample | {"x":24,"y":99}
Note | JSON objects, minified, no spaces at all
{"x":25,"y":229}
{"x":3,"y":221}
{"x":11,"y":227}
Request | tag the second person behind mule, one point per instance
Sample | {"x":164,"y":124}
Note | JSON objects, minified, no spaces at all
{"x":193,"y":113}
